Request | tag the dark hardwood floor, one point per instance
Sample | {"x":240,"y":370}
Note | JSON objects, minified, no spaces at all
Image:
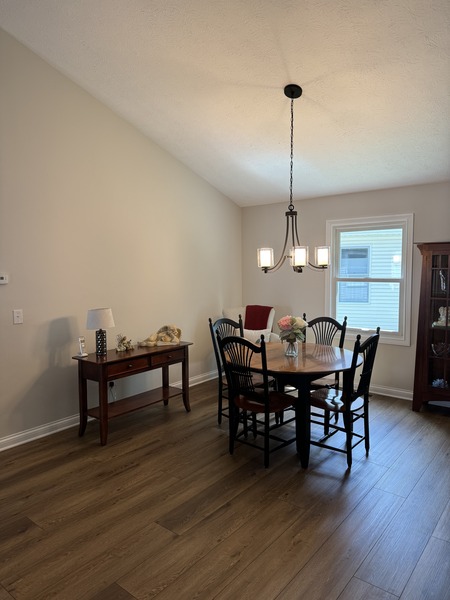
{"x":163,"y":511}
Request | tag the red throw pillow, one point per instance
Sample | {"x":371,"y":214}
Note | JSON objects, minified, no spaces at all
{"x":256,"y":316}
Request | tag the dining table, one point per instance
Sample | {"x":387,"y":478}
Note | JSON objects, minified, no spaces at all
{"x":314,"y":361}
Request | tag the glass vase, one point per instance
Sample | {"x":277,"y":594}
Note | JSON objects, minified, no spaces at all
{"x":291,"y":349}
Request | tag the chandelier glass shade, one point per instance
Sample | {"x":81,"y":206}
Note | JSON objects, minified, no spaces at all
{"x":298,"y":255}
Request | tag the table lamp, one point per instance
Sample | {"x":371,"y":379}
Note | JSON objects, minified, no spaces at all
{"x":100,"y":319}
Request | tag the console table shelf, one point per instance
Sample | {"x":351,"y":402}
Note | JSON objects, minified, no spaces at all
{"x":132,"y":403}
{"x":117,"y":365}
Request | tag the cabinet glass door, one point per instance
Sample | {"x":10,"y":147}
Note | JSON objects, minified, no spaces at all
{"x":439,"y":337}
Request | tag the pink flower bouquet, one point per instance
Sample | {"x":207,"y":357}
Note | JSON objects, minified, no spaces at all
{"x":292,"y":329}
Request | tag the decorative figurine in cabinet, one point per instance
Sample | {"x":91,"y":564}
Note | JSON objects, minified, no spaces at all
{"x":432,"y":373}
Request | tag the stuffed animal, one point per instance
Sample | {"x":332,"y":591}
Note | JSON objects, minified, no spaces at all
{"x":166,"y":335}
{"x":123,"y":343}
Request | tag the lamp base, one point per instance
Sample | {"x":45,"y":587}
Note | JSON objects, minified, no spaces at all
{"x":100,"y":342}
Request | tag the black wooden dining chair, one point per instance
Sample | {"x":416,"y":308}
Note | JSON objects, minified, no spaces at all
{"x":253,"y":407}
{"x":325,"y":330}
{"x":352,"y":401}
{"x":224,"y":327}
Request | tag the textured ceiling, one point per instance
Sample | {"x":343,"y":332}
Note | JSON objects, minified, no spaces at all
{"x":204,"y":79}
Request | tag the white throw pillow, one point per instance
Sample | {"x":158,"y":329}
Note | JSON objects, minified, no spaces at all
{"x":254,"y":335}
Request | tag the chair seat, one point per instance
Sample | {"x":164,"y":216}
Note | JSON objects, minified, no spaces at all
{"x":331,"y":399}
{"x":258,"y":380}
{"x":277,"y":402}
{"x":327,"y":399}
{"x":322,"y":383}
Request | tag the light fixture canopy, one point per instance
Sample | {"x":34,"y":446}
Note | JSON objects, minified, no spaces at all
{"x":298,"y":255}
{"x":100,"y":319}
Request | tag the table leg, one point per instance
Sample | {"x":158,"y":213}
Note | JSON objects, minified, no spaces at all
{"x":82,"y":399}
{"x":303,"y":422}
{"x":165,"y":383}
{"x":103,"y":409}
{"x":185,"y":381}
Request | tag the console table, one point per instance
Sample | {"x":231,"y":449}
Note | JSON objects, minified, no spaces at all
{"x":116,"y":365}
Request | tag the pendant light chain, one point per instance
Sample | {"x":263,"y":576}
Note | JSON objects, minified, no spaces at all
{"x":291,"y":205}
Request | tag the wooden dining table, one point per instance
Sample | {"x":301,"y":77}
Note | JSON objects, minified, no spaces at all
{"x":314,"y":361}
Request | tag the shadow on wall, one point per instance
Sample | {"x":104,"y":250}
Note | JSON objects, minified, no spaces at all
{"x":54,"y":393}
{"x":59,"y":341}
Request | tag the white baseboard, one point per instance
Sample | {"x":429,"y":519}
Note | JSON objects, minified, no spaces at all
{"x":392,"y":392}
{"x":43,"y":430}
{"x":200,"y":378}
{"x":37,"y":432}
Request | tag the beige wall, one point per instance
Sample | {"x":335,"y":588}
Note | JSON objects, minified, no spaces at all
{"x":294,"y":293}
{"x":92,"y":213}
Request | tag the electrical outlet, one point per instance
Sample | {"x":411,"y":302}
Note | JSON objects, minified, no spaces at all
{"x":17,"y":316}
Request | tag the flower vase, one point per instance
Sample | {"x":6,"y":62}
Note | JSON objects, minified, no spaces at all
{"x":291,"y":349}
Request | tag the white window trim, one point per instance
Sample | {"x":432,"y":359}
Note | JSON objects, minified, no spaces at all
{"x":404,"y":220}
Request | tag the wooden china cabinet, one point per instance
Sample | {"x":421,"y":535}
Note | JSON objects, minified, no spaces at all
{"x":432,"y":373}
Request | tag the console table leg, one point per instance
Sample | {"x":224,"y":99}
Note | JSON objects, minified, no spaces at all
{"x":103,"y":410}
{"x":82,"y":399}
{"x":185,"y":381}
{"x":165,"y":382}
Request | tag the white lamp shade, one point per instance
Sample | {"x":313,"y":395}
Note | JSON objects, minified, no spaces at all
{"x":322,"y":256}
{"x":100,"y":318}
{"x":265,"y":258}
{"x":299,"y":256}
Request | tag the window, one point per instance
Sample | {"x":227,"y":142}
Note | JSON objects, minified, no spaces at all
{"x":354,"y":262}
{"x":370,"y":275}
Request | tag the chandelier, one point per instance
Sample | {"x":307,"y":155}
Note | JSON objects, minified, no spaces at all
{"x":298,"y":255}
